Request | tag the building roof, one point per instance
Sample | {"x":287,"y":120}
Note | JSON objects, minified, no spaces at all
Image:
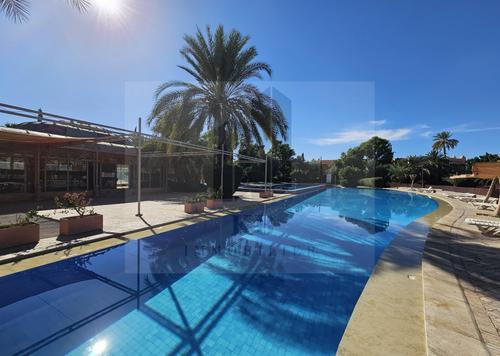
{"x":457,"y":160}
{"x":34,"y":137}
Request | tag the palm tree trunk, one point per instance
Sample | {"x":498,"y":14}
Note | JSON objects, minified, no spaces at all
{"x":444,"y":151}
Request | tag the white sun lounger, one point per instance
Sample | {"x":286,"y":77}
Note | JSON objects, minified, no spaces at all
{"x":477,"y":200}
{"x":484,"y":206}
{"x":484,"y":223}
{"x":428,"y":190}
{"x":460,"y":195}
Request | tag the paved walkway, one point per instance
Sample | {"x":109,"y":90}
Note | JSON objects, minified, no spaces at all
{"x":462,"y":285}
{"x":119,"y":218}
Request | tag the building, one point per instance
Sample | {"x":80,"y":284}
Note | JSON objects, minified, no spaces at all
{"x":40,"y":159}
{"x":458,"y":164}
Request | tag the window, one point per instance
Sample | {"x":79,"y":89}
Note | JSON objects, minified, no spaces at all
{"x":56,"y":175}
{"x":77,"y":175}
{"x":12,"y":174}
{"x":122,"y":173}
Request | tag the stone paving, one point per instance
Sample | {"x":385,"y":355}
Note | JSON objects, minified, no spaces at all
{"x":119,"y":218}
{"x":461,"y":269}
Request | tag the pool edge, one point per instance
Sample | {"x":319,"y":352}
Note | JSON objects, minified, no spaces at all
{"x":62,"y":252}
{"x":389,"y":317}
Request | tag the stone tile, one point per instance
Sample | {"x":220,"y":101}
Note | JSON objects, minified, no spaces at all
{"x":453,"y":343}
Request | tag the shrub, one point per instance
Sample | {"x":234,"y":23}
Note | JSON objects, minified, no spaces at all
{"x":198,"y":198}
{"x":79,"y":202}
{"x":349,"y":176}
{"x":214,"y":194}
{"x":374,"y":182}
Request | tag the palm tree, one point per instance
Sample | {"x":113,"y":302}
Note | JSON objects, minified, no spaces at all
{"x":443,"y":141}
{"x":18,"y":10}
{"x":221,"y":99}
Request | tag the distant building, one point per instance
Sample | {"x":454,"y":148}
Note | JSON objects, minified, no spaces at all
{"x":458,"y":164}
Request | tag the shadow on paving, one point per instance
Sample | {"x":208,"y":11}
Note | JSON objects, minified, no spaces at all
{"x":472,"y":260}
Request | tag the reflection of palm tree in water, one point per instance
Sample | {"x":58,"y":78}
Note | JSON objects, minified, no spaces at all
{"x":367,"y":212}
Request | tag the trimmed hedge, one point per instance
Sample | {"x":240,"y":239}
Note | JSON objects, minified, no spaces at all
{"x":374,"y":182}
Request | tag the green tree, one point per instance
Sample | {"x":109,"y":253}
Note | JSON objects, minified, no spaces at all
{"x":416,"y":166}
{"x":378,"y":155}
{"x":18,"y":10}
{"x":252,"y":172}
{"x":350,"y":176}
{"x":281,"y":155}
{"x":221,"y":97}
{"x":399,"y":171}
{"x":443,"y":141}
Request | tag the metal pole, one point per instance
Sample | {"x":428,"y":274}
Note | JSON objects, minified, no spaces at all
{"x":222,"y":172}
{"x":139,"y":168}
{"x":265,"y":176}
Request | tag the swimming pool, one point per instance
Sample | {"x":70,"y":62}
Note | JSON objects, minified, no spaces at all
{"x":293,"y":188}
{"x":277,"y":279}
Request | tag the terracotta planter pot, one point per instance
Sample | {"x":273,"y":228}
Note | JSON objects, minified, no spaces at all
{"x":194,"y":208}
{"x":18,"y":235}
{"x":215,"y":203}
{"x":80,"y":224}
{"x":266,"y":194}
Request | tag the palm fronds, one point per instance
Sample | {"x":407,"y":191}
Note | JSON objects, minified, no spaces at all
{"x":18,"y":10}
{"x":220,"y":99}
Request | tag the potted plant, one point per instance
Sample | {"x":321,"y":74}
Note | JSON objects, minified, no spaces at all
{"x":195,"y":204}
{"x":266,"y":194}
{"x":214,"y":200}
{"x":24,"y":231}
{"x":86,"y":220}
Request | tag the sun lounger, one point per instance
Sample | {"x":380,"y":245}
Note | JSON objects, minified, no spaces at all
{"x":484,"y":206}
{"x":488,"y":225}
{"x":476,"y":200}
{"x":427,"y":190}
{"x":460,"y":195}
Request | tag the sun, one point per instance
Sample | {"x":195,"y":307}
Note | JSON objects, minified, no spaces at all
{"x":110,"y":8}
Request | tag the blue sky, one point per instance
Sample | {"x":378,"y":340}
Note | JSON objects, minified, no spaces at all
{"x":351,"y":69}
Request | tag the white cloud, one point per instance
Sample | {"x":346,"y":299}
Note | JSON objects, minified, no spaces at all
{"x":377,"y":122}
{"x":426,"y":133}
{"x":467,"y":128}
{"x":350,"y":136}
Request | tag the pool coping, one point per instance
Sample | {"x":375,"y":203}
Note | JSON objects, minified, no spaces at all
{"x":389,"y":317}
{"x":21,"y":262}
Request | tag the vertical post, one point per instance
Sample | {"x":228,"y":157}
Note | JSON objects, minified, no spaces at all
{"x":139,"y":168}
{"x":87,"y":174}
{"x":97,"y":176}
{"x":265,"y":176}
{"x":67,"y":171}
{"x":497,"y":212}
{"x":36,"y":180}
{"x":222,"y":172}
{"x":492,"y":188}
{"x":321,"y":169}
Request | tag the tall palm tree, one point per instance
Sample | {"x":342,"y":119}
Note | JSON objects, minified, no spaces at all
{"x":220,"y":99}
{"x":443,"y":141}
{"x":18,"y":10}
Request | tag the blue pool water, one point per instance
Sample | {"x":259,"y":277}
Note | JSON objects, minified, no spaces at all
{"x":279,"y":187}
{"x":279,"y":279}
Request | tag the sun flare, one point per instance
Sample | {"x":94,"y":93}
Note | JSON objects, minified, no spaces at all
{"x":114,"y":9}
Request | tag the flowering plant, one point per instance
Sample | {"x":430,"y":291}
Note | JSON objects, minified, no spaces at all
{"x":79,"y":202}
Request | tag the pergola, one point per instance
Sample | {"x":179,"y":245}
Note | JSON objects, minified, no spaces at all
{"x":106,"y":134}
{"x":484,"y":170}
